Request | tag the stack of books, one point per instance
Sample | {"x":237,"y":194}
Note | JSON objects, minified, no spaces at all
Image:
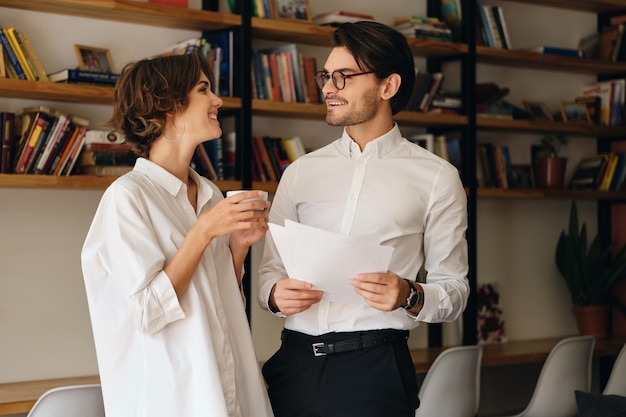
{"x":337,"y":17}
{"x":76,"y":76}
{"x":423,"y":28}
{"x":105,"y":153}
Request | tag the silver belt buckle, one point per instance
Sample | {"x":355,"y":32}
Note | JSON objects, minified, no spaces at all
{"x":315,"y":346}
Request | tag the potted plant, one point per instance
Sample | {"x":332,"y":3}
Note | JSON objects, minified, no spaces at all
{"x":590,"y":273}
{"x":549,"y":166}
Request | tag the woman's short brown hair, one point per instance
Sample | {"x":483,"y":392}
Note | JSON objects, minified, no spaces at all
{"x":148,"y":90}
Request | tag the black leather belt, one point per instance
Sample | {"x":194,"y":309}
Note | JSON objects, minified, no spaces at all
{"x":341,"y":342}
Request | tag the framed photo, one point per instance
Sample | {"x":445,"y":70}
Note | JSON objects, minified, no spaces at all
{"x":538,"y":110}
{"x":292,"y":10}
{"x":521,"y":176}
{"x":593,"y":107}
{"x":94,"y":59}
{"x":575,"y":112}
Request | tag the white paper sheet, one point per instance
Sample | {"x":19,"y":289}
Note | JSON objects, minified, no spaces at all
{"x":329,"y":260}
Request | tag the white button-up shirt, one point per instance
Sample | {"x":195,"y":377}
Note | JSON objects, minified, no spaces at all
{"x":408,"y":197}
{"x":159,"y":355}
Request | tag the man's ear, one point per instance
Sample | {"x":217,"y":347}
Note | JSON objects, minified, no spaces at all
{"x":390,"y":86}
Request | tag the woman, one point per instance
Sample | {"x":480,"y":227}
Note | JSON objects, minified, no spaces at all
{"x":163,"y":259}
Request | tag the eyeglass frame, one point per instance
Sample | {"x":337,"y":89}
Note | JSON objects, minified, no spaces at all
{"x":324,"y":77}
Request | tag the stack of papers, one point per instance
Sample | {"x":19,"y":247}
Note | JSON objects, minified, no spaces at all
{"x":329,"y":260}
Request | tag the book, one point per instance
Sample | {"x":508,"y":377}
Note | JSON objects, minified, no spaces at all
{"x":104,"y":136}
{"x":294,"y":147}
{"x":32,"y":56}
{"x":619,"y":176}
{"x":71,"y":75}
{"x":105,"y":170}
{"x":202,"y":163}
{"x":223,"y":40}
{"x":502,"y":27}
{"x":610,"y":37}
{"x":39,"y":128}
{"x":19,"y":52}
{"x":484,"y":24}
{"x":11,"y":60}
{"x":74,"y":151}
{"x":89,"y":157}
{"x":554,"y":50}
{"x":7,"y":138}
{"x":589,"y":172}
{"x":592,"y":103}
{"x":607,"y":176}
{"x":57,"y":130}
{"x":336,"y":17}
{"x":604,"y":90}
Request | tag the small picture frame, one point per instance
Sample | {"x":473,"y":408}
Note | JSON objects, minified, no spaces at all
{"x":94,"y":59}
{"x":292,"y":10}
{"x":521,"y":176}
{"x":538,"y":110}
{"x":575,"y":113}
{"x":593,"y":104}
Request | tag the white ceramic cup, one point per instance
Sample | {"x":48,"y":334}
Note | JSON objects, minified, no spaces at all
{"x":235,"y":192}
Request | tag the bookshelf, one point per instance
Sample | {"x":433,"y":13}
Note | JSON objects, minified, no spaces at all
{"x":308,"y":34}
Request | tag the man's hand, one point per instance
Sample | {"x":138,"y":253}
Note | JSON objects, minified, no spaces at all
{"x":291,"y":296}
{"x":384,"y":292}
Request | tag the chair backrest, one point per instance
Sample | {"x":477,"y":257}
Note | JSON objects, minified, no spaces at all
{"x":567,"y":369}
{"x":70,"y":401}
{"x":616,"y":384}
{"x":451,"y":387}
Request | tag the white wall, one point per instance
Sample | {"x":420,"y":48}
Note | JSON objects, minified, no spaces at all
{"x":44,"y":324}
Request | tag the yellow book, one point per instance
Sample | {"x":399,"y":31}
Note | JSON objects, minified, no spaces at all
{"x":10,"y":34}
{"x":608,"y":172}
{"x":31,"y":55}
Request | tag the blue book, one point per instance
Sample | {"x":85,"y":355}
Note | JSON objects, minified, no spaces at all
{"x":70,"y":75}
{"x":485,"y":24}
{"x":12,"y":57}
{"x":553,"y":50}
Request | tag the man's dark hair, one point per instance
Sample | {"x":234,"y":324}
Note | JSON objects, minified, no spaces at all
{"x":382,"y":49}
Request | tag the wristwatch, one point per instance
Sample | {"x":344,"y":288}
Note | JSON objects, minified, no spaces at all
{"x":414,"y":296}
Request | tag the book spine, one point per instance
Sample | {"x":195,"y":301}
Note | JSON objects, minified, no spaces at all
{"x":75,"y":151}
{"x":485,"y":24}
{"x":11,"y":56}
{"x":78,"y":76}
{"x":7,"y":137}
{"x":22,"y":163}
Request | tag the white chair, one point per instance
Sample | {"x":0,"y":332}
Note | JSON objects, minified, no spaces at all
{"x":616,"y":385}
{"x":70,"y":401}
{"x":567,"y":369}
{"x":451,"y":387}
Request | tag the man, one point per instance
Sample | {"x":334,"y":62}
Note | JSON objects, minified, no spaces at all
{"x":352,"y":359}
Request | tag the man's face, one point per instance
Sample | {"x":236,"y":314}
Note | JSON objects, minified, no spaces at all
{"x":358,"y":101}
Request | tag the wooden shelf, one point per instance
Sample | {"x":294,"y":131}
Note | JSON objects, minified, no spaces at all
{"x":531,"y":193}
{"x":593,"y":6}
{"x":540,"y":126}
{"x":73,"y":93}
{"x":132,"y":12}
{"x":77,"y":182}
{"x":517,"y":353}
{"x":548,"y":62}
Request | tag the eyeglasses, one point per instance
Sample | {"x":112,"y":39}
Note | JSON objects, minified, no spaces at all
{"x":338,"y":77}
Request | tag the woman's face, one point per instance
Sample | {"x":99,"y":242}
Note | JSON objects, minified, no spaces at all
{"x":198,"y":122}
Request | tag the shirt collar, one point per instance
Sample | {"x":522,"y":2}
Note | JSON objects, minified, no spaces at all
{"x":171,"y":183}
{"x":380,"y":146}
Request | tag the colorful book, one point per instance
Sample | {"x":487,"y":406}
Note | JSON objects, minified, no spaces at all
{"x":10,"y":56}
{"x":19,"y":52}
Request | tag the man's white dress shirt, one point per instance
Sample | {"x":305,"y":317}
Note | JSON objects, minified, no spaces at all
{"x":408,"y":197}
